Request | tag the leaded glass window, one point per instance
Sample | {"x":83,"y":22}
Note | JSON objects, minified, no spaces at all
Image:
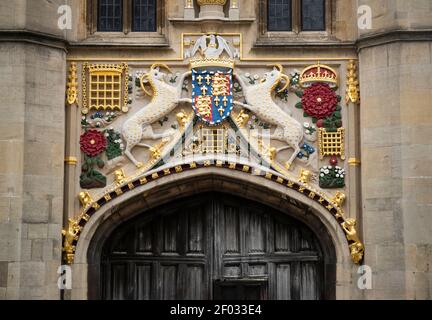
{"x":313,"y":15}
{"x":279,"y":15}
{"x":144,"y":15}
{"x":110,"y":15}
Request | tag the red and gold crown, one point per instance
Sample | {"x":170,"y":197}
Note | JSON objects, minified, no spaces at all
{"x":318,"y":73}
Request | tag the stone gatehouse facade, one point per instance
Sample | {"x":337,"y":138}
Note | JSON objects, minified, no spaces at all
{"x":216,"y":148}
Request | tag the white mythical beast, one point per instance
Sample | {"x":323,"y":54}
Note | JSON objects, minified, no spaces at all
{"x":259,"y":100}
{"x":165,"y":99}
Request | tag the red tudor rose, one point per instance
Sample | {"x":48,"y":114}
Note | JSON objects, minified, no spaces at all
{"x":92,"y":143}
{"x":319,"y":101}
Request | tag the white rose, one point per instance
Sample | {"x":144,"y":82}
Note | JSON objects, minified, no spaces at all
{"x":322,"y":175}
{"x":326,"y":171}
{"x":247,"y":74}
{"x":256,"y":77}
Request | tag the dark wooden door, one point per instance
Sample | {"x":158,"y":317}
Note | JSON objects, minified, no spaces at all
{"x":212,"y":246}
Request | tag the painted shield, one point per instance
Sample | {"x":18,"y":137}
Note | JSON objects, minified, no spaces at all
{"x":212,"y":98}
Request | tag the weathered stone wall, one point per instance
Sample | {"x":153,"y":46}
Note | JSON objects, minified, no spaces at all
{"x":32,"y":82}
{"x":396,"y":173}
{"x":31,"y":176}
{"x":396,"y":95}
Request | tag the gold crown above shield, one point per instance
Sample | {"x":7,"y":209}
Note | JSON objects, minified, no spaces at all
{"x":318,"y":73}
{"x":212,"y":62}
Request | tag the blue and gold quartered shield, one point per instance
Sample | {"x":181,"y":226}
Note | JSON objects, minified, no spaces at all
{"x":212,"y":97}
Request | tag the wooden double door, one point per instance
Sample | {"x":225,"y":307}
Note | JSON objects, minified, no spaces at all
{"x":212,"y":246}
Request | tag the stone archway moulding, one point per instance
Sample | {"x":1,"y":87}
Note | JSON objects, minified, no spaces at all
{"x":299,"y":189}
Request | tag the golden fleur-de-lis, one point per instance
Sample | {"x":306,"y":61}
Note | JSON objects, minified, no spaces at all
{"x":225,"y":101}
{"x":204,"y":90}
{"x":208,"y":78}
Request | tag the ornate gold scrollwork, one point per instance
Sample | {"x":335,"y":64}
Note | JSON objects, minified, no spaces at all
{"x":272,"y":153}
{"x":70,"y":235}
{"x":242,"y":118}
{"x":352,"y":89}
{"x":182,"y":119}
{"x":85,"y":198}
{"x":305,"y":176}
{"x":356,"y":246}
{"x":156,"y":150}
{"x":72,"y":91}
{"x":338,"y":199}
{"x":119,"y":176}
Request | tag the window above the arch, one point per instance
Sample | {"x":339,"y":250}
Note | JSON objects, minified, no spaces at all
{"x":126,"y":19}
{"x":294,"y":20}
{"x":313,"y":15}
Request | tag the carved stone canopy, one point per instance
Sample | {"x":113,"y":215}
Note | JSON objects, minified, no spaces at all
{"x":211,"y":2}
{"x":211,"y":9}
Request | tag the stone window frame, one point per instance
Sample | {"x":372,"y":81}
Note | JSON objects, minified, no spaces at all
{"x":266,"y":37}
{"x":92,"y":23}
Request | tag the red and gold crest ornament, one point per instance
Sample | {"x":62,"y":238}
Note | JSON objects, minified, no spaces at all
{"x":319,"y":100}
{"x":93,"y":143}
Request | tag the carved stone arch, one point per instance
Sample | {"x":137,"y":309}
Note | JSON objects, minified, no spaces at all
{"x":184,"y":184}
